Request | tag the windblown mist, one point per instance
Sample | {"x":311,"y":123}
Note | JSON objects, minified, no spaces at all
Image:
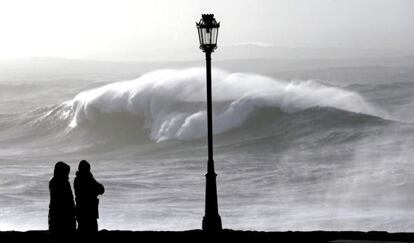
{"x":307,"y":149}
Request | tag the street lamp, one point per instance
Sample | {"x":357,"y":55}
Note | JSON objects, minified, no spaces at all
{"x":207,"y":34}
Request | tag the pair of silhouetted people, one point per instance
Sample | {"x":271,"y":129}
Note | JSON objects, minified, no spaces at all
{"x":63,"y":213}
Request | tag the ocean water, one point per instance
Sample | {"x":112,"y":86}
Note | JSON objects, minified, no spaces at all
{"x":291,"y":153}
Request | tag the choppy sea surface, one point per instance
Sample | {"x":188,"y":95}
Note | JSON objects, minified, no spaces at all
{"x":291,"y":153}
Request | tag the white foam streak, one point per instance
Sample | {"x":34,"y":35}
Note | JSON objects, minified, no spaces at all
{"x":173,"y":101}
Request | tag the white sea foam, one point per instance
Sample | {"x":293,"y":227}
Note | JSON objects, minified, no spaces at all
{"x":173,"y":101}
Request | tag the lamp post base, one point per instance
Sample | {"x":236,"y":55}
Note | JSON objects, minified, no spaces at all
{"x":212,"y":223}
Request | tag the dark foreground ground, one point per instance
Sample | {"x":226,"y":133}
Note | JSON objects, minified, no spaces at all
{"x":224,"y":236}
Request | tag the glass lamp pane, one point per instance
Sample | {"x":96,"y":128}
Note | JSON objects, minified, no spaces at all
{"x":200,"y":37}
{"x":214,"y":34}
{"x":206,"y":36}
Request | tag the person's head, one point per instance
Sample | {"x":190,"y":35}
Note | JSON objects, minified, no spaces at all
{"x":61,"y":170}
{"x":84,"y":167}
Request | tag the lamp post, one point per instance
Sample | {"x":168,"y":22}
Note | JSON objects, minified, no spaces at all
{"x":207,"y":34}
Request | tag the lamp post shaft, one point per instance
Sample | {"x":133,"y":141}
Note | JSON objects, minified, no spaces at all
{"x":211,"y":220}
{"x":209,"y":109}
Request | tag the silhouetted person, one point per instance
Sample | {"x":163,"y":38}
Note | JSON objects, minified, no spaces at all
{"x":87,"y":190}
{"x":62,"y":222}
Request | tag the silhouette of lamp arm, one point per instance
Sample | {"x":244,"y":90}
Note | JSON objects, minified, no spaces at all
{"x":207,"y":33}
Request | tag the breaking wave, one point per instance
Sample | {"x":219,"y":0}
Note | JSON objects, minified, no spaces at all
{"x":171,"y":103}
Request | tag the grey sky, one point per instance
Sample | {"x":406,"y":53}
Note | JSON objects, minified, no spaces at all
{"x":86,"y":28}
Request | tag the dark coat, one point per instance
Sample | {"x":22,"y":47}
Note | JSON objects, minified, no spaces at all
{"x":61,"y":207}
{"x":87,"y":190}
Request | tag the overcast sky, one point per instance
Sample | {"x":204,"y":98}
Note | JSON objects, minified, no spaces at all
{"x":86,"y":28}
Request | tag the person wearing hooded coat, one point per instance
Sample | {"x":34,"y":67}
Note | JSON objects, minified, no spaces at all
{"x":87,"y":190}
{"x":61,"y":217}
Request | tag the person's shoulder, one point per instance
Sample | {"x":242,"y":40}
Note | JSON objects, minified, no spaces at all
{"x":52,"y":181}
